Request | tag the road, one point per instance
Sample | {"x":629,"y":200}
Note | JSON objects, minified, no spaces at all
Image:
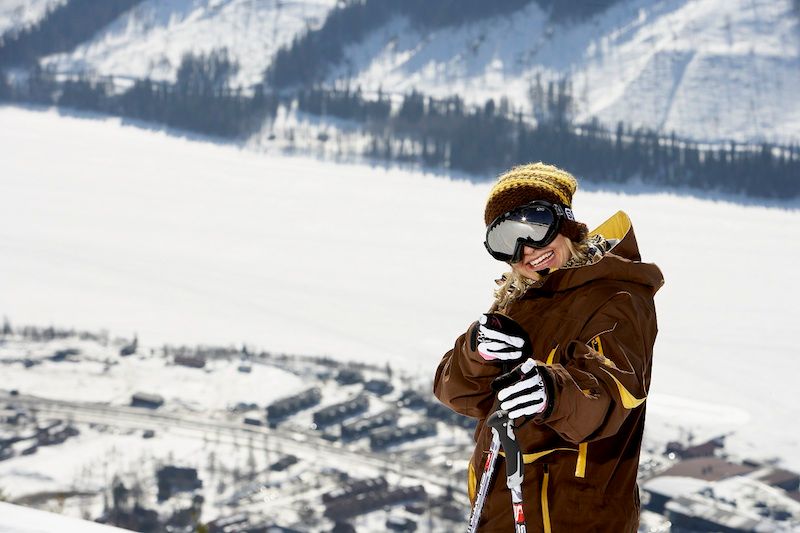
{"x":302,"y":443}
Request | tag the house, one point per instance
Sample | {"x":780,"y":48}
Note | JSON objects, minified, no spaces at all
{"x":778,"y":477}
{"x":386,"y":437}
{"x":130,"y":349}
{"x":693,"y":513}
{"x":707,"y":468}
{"x":172,"y":479}
{"x":705,"y":449}
{"x":379,"y":387}
{"x":362,"y":427}
{"x":348,"y":376}
{"x":353,"y":488}
{"x":340,"y":411}
{"x":370,"y":501}
{"x":662,"y":489}
{"x":190,"y":359}
{"x":148,"y":401}
{"x":286,"y":407}
{"x":283,"y":463}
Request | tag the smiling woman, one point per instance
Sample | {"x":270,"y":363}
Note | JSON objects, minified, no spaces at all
{"x":573,"y":327}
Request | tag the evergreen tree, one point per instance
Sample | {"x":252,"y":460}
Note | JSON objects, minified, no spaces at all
{"x":60,"y":30}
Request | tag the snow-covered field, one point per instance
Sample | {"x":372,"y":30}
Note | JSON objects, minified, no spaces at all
{"x":17,"y":519}
{"x":106,"y":378}
{"x":185,"y":241}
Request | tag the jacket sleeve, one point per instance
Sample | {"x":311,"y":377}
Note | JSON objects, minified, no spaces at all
{"x":605,"y":373}
{"x":463,"y":379}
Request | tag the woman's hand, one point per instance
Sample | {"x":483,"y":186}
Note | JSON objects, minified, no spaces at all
{"x":522,"y":391}
{"x":500,"y":337}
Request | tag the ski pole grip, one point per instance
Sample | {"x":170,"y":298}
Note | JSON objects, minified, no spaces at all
{"x":505,"y":429}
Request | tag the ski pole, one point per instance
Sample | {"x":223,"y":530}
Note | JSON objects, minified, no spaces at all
{"x":486,"y":478}
{"x":488,"y":469}
{"x":504,"y":427}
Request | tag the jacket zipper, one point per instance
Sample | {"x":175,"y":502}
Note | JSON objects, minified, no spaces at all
{"x":545,"y":506}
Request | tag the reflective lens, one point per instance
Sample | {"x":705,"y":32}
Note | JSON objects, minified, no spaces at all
{"x":535,"y":224}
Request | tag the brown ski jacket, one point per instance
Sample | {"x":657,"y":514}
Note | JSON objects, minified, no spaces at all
{"x":593,"y":327}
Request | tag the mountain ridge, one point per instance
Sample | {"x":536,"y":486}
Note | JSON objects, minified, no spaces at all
{"x":711,"y":70}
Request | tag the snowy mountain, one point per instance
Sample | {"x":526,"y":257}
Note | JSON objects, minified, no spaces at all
{"x":708,"y":70}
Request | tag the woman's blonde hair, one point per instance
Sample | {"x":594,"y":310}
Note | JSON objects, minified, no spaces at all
{"x":512,"y":285}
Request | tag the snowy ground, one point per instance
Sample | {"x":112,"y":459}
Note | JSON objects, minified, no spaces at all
{"x":106,"y":225}
{"x":17,"y":519}
{"x":110,"y":379}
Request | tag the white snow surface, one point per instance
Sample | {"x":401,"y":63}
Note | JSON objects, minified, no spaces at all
{"x":17,"y":519}
{"x":19,"y":14}
{"x":106,"y":225}
{"x":151,"y":39}
{"x":105,"y":378}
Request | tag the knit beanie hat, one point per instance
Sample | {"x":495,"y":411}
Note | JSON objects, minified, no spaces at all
{"x":535,"y":181}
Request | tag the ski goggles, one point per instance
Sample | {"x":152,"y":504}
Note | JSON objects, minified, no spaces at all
{"x":535,"y":224}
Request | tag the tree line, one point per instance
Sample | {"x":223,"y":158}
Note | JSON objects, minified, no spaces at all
{"x":443,"y":132}
{"x":200,"y":100}
{"x":60,"y":30}
{"x":484,"y":140}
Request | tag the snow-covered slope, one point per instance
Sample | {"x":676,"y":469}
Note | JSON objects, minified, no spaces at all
{"x":706,"y":69}
{"x":18,"y":14}
{"x":16,"y":519}
{"x":150,"y":39}
{"x":191,"y":242}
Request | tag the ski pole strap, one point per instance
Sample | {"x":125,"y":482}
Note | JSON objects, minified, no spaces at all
{"x":504,"y":426}
{"x":505,"y":429}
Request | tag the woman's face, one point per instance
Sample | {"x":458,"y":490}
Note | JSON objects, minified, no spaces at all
{"x":554,"y":255}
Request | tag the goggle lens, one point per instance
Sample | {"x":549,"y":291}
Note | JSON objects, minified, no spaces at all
{"x":534,"y":225}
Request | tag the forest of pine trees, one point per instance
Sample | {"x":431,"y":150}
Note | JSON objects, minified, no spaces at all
{"x":484,"y":140}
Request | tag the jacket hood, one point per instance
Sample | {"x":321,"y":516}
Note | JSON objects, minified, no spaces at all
{"x":622,"y":262}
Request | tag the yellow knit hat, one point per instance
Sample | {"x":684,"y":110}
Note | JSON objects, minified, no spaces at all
{"x":535,"y":181}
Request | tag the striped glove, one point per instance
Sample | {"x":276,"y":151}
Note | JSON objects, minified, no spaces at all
{"x":500,"y":337}
{"x":522,"y":391}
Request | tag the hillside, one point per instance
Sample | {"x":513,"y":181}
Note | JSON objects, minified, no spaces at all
{"x":150,"y":40}
{"x":18,"y":14}
{"x":709,"y":70}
